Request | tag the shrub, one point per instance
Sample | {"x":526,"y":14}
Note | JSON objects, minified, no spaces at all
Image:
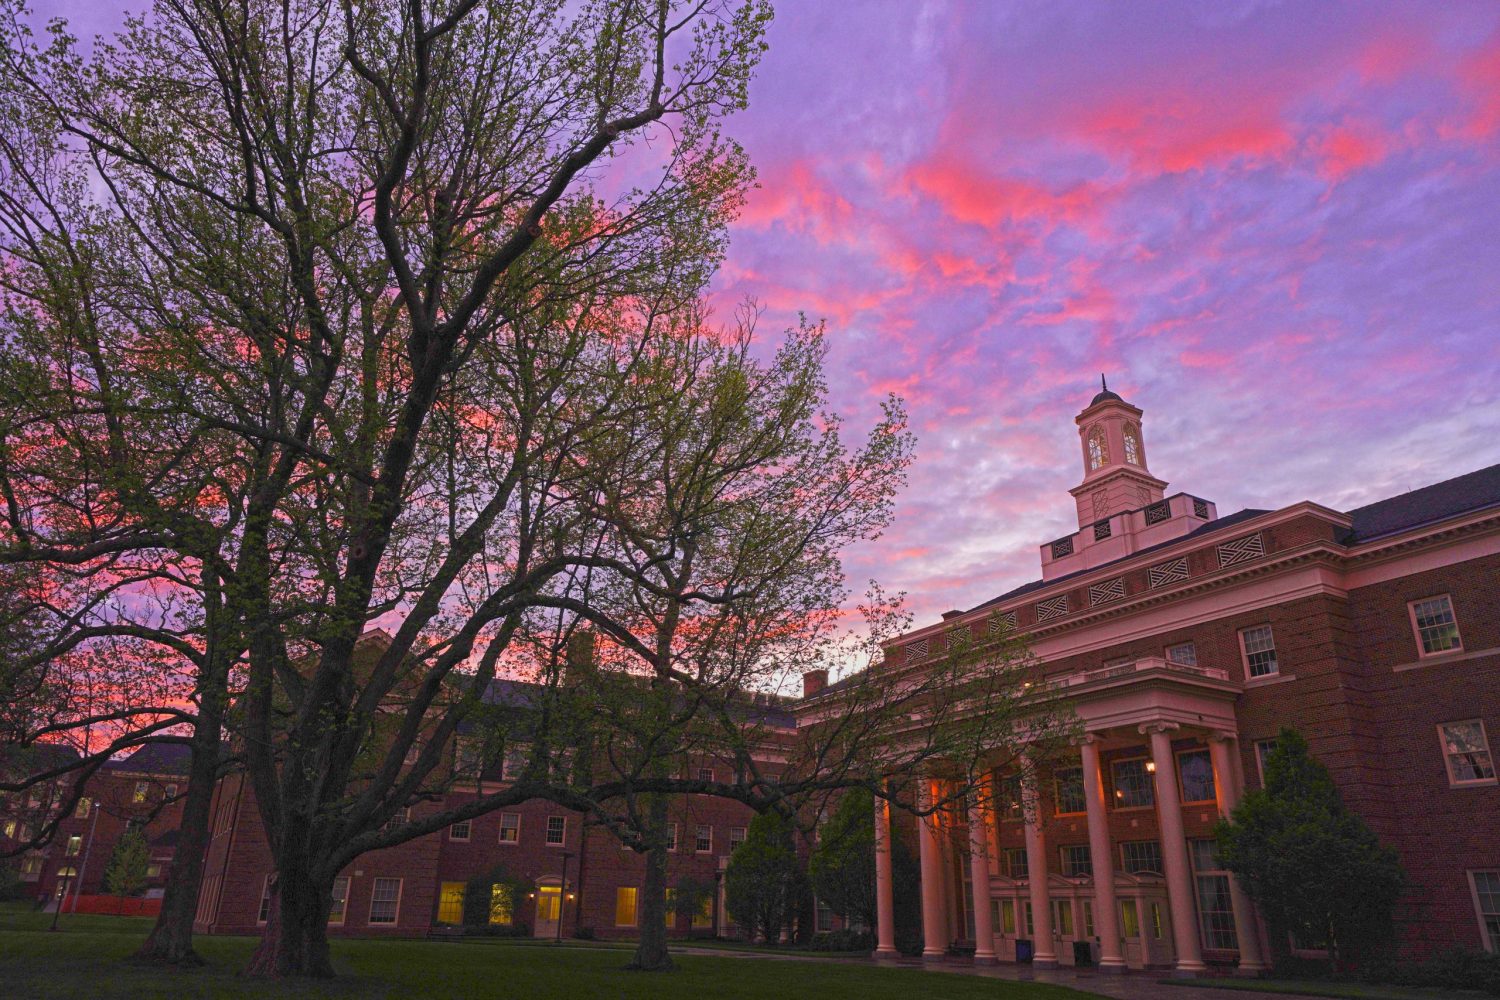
{"x":584,"y":934}
{"x":844,"y":940}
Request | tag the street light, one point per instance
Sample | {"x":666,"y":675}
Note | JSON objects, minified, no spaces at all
{"x":562,"y":896}
{"x":63,"y":875}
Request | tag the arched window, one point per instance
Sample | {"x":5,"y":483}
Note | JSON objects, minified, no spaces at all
{"x":1132,"y":446}
{"x":1098,"y":449}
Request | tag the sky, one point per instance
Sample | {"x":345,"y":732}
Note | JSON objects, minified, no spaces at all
{"x":1275,"y":226}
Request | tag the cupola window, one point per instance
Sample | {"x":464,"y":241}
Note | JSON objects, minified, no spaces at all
{"x":1098,"y":449}
{"x":1132,"y":446}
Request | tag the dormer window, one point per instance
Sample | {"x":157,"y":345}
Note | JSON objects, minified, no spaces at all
{"x":1132,"y":446}
{"x":1098,"y":449}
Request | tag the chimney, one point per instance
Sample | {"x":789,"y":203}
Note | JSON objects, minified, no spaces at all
{"x":813,"y":681}
{"x":951,"y":614}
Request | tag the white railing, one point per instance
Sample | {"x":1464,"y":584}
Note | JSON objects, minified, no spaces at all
{"x":1134,"y":667}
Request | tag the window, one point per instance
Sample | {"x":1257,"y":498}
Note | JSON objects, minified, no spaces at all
{"x":1130,"y":920}
{"x":1215,"y":908}
{"x":1259,"y":647}
{"x":1015,"y":862}
{"x":1030,"y":924}
{"x":703,"y":840}
{"x":1487,"y":902}
{"x":459,"y":830}
{"x":510,"y":828}
{"x":1132,"y":446}
{"x":671,"y":836}
{"x":10,"y":828}
{"x":75,"y":844}
{"x":625,"y":906}
{"x":1133,"y":788}
{"x":1062,"y":917}
{"x":1263,"y":750}
{"x":1098,"y":449}
{"x":1141,"y":857}
{"x":824,"y":917}
{"x":171,"y":791}
{"x":141,"y":789}
{"x":31,"y":865}
{"x":706,"y":774}
{"x":1008,"y":794}
{"x":1076,"y":862}
{"x":81,"y":812}
{"x":1156,"y":921}
{"x":264,"y":913}
{"x":340,"y":901}
{"x":703,"y":916}
{"x":1437,"y":629}
{"x":1195,"y":773}
{"x":514,"y":763}
{"x":557,"y":830}
{"x":1184,"y":653}
{"x":1069,"y":789}
{"x":398,"y":818}
{"x":736,"y":838}
{"x":385,"y":901}
{"x":1007,"y":916}
{"x":451,"y":903}
{"x":153,"y":870}
{"x":1088,"y":918}
{"x":1467,"y":753}
{"x":502,"y":904}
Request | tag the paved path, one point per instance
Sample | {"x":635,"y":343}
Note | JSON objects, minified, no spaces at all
{"x":1130,"y":986}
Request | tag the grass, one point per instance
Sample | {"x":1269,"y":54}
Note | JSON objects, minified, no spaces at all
{"x":87,"y":959}
{"x":1315,"y":988}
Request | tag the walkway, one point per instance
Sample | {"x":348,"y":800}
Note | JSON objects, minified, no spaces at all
{"x":1130,"y":986}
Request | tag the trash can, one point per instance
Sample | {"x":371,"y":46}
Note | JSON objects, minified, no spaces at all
{"x":1083,"y":954}
{"x":1023,"y":950}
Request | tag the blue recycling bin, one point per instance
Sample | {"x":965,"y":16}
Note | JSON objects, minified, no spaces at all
{"x":1023,"y":950}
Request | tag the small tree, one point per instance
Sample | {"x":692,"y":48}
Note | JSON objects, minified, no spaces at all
{"x":125,"y":875}
{"x":764,"y":884}
{"x":842,"y":867}
{"x":493,"y":898}
{"x":1315,"y":869}
{"x":691,"y":896}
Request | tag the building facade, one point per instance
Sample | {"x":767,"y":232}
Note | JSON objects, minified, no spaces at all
{"x":1185,"y":641}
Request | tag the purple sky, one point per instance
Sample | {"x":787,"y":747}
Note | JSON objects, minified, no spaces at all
{"x":1276,"y":226}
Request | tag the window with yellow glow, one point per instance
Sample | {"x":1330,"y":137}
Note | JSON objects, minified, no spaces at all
{"x":502,"y":905}
{"x":451,"y":903}
{"x":625,"y":897}
{"x":1130,"y":920}
{"x":1098,"y":449}
{"x":704,"y":915}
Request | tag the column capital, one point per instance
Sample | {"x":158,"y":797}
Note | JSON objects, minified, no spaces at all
{"x":1223,"y":736}
{"x":1147,"y":728}
{"x":1079,"y":741}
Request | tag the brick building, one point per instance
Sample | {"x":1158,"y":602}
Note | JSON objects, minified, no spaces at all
{"x":1185,"y":641}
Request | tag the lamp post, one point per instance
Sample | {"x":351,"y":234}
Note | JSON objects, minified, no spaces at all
{"x":62,"y":893}
{"x":562,"y":896}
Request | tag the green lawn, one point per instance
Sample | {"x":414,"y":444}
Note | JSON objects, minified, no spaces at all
{"x":1314,"y":988}
{"x":84,"y":960}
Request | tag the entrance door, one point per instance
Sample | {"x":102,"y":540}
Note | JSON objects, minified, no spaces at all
{"x":548,"y":910}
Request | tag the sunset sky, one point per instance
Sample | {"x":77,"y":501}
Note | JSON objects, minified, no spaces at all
{"x":1275,"y":226}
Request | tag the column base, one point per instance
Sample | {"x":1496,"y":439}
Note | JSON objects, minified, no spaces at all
{"x":1188,"y":970}
{"x":885,"y":953}
{"x":986,"y":960}
{"x":934,"y":956}
{"x":1252,"y":971}
{"x":1044,"y":963}
{"x":1111,"y":968}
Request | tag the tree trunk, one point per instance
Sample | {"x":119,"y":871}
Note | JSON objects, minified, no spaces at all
{"x":171,"y":939}
{"x":651,"y":953}
{"x":295,"y":942}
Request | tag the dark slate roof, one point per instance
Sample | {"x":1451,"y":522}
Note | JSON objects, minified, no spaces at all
{"x":37,"y":758}
{"x":156,"y":758}
{"x":519,"y":694}
{"x":1460,"y":495}
{"x":1100,"y":397}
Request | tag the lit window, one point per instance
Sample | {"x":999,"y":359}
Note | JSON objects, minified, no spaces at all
{"x":141,"y":788}
{"x":1062,"y":912}
{"x":502,"y":904}
{"x":1076,"y":862}
{"x":557,"y":830}
{"x":1184,"y":653}
{"x":75,"y":844}
{"x":451,"y":903}
{"x":736,"y":838}
{"x":459,"y":830}
{"x":703,"y":916}
{"x":1467,"y":753}
{"x":510,"y":828}
{"x":1132,"y":446}
{"x":81,"y":812}
{"x":153,"y":870}
{"x":264,"y":913}
{"x":340,"y":903}
{"x":1215,"y":906}
{"x":1195,"y":771}
{"x":1487,"y":901}
{"x":625,"y":906}
{"x":10,"y":828}
{"x":385,"y":901}
{"x":1015,"y":862}
{"x":1141,"y":857}
{"x":1007,"y":916}
{"x":1069,"y":789}
{"x":1156,"y":921}
{"x":1133,"y":788}
{"x":1259,"y":646}
{"x":671,"y":836}
{"x":31,"y":865}
{"x":703,"y":841}
{"x":1098,"y":449}
{"x":1130,"y":920}
{"x":1437,"y":629}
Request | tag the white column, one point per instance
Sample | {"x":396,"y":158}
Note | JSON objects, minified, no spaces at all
{"x":1174,"y":850}
{"x":934,"y":926}
{"x":1227,"y":791}
{"x":1044,"y":955}
{"x":979,"y":874}
{"x":1102,"y":855}
{"x":885,"y":893}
